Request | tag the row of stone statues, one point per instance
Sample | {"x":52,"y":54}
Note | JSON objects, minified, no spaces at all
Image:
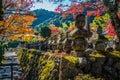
{"x":76,"y":40}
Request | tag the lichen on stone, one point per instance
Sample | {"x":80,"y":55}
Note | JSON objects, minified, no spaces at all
{"x":46,"y":71}
{"x":115,"y":54}
{"x":72,"y":59}
{"x":96,"y":55}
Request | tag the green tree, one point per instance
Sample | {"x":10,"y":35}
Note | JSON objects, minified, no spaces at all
{"x":45,"y":31}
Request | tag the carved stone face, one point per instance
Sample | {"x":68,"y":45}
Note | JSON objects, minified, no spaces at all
{"x":81,"y":24}
{"x":99,"y":29}
{"x":80,"y":21}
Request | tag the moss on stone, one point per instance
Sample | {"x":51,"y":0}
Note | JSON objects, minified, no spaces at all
{"x":115,"y":54}
{"x":46,"y":71}
{"x":87,"y":77}
{"x":96,"y":55}
{"x":72,"y":59}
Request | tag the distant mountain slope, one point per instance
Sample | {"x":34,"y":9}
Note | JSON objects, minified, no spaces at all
{"x":42,"y":15}
{"x":58,"y":20}
{"x":45,"y":17}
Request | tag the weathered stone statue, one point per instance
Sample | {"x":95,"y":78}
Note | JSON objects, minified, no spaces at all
{"x":79,"y":35}
{"x":49,"y":43}
{"x":67,"y":44}
{"x":117,"y":45}
{"x":54,"y":43}
{"x":61,"y":37}
{"x":101,"y":42}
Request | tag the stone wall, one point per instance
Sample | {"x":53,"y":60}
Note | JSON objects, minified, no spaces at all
{"x":65,"y":67}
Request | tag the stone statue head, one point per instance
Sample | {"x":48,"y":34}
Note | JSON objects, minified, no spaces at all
{"x":80,"y":21}
{"x":99,"y":30}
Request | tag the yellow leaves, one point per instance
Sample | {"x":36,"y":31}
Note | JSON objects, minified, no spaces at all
{"x":101,"y":21}
{"x":106,"y":17}
{"x":27,"y":38}
{"x":109,"y":37}
{"x":17,"y":25}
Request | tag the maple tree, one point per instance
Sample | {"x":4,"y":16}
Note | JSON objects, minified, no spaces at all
{"x":15,"y":18}
{"x":14,"y":6}
{"x":92,"y":7}
{"x":16,"y":26}
{"x":95,"y":8}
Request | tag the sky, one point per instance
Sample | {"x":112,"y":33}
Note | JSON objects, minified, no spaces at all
{"x":48,"y":5}
{"x":45,"y":5}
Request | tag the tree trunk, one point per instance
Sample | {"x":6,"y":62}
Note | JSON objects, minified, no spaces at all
{"x":1,"y":11}
{"x":112,"y":9}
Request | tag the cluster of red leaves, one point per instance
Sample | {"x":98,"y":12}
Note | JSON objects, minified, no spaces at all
{"x":75,"y":9}
{"x":110,"y":29}
{"x":18,"y":5}
{"x":96,"y":13}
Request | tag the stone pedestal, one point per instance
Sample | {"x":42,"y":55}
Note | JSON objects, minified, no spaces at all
{"x":77,"y":53}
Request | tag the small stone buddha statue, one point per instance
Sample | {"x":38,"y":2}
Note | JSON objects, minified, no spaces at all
{"x":67,"y":44}
{"x":79,"y":35}
{"x":49,"y":43}
{"x":117,"y":45}
{"x":61,"y":37}
{"x":101,"y":42}
{"x":54,"y":43}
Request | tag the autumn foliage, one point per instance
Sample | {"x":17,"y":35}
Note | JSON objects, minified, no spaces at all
{"x":96,"y":9}
{"x":54,"y":30}
{"x":110,"y":29}
{"x":16,"y":26}
{"x":71,"y":27}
